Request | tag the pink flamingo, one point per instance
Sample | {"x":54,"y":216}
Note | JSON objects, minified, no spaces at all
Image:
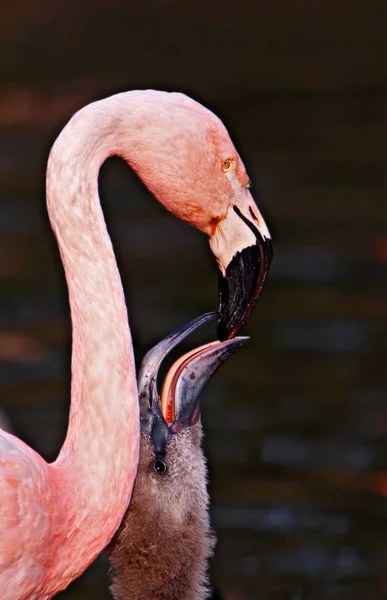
{"x":56,"y":518}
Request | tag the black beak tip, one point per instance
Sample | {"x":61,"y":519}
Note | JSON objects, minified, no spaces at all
{"x":238,"y":291}
{"x":241,"y":286}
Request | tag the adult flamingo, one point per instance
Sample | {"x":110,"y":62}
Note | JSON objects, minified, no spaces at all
{"x":55,"y":518}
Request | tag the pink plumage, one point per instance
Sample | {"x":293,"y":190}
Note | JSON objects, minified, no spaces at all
{"x":56,"y":518}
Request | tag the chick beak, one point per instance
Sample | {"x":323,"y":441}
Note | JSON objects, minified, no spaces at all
{"x":187,"y":377}
{"x":242,"y":246}
{"x":178,"y":405}
{"x":153,"y":421}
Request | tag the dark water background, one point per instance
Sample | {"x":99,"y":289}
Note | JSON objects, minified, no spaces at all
{"x":296,"y":423}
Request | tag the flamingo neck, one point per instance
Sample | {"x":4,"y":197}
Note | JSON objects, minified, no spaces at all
{"x":99,"y":457}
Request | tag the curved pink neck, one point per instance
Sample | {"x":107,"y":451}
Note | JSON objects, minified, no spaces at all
{"x":99,"y":457}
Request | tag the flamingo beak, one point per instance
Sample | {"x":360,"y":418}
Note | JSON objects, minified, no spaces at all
{"x":242,"y":246}
{"x":178,"y":405}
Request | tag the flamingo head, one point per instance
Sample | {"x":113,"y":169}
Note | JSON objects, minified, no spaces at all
{"x":165,"y":540}
{"x":170,"y":422}
{"x":184,"y":154}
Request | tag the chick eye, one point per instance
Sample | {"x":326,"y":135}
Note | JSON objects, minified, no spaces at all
{"x":160,"y":466}
{"x":226,"y":165}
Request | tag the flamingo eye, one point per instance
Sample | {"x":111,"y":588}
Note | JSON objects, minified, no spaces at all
{"x":160,"y":466}
{"x":227,"y":164}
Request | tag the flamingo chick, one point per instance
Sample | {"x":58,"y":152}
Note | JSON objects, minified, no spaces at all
{"x":56,"y":518}
{"x":162,"y":548}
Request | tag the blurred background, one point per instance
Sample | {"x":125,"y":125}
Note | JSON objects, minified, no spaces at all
{"x":296,"y":424}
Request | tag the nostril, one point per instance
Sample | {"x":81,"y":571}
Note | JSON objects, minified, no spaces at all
{"x":253,"y":214}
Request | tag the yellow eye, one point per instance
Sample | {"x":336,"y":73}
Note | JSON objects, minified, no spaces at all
{"x":226,"y":165}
